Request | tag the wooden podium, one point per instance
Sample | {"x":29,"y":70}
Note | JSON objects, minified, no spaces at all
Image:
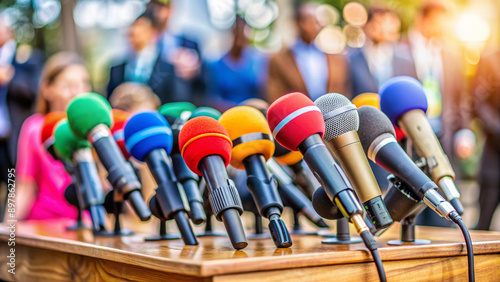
{"x":46,"y":252}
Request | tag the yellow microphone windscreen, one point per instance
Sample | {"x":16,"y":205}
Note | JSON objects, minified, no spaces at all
{"x":250,"y":133}
{"x":367,"y":99}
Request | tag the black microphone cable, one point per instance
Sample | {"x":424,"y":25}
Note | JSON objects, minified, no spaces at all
{"x":455,"y":217}
{"x":372,"y":245}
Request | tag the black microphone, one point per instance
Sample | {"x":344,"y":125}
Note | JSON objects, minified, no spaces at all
{"x":184,"y":175}
{"x":293,"y":196}
{"x":376,"y":134}
{"x":149,"y":138}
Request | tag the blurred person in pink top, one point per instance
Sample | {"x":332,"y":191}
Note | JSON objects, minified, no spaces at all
{"x":41,"y":180}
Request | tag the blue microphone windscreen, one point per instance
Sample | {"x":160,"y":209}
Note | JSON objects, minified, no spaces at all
{"x":401,"y":94}
{"x":146,"y":131}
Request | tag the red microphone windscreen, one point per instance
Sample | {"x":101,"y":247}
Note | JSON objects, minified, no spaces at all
{"x":119,"y":118}
{"x":201,"y":137}
{"x":400,"y":135}
{"x":49,"y":123}
{"x":294,"y":117}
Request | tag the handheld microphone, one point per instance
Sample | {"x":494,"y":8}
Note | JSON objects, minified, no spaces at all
{"x":341,"y":123}
{"x":377,"y":138}
{"x":252,"y":146}
{"x":178,"y":110}
{"x":89,"y":118}
{"x":206,"y":147}
{"x":148,"y":138}
{"x":404,"y":101}
{"x":298,"y":124}
{"x":71,"y":148}
{"x":293,"y":196}
{"x":50,"y":122}
{"x":119,"y":119}
{"x":206,"y":112}
{"x":176,"y":114}
{"x":324,"y":206}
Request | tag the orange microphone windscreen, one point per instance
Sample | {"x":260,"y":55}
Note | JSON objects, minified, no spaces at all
{"x":293,"y":118}
{"x":249,"y":132}
{"x":120,"y":118}
{"x":367,"y":99}
{"x":201,"y":137}
{"x":49,"y":124}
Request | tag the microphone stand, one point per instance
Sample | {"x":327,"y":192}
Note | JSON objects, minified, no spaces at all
{"x":209,"y":232}
{"x":343,"y":236}
{"x":115,"y":206}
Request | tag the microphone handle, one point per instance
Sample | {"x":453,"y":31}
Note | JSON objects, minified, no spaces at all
{"x":167,"y":195}
{"x":262,"y":186}
{"x":224,"y":199}
{"x":330,"y":175}
{"x":393,"y":159}
{"x":120,"y":173}
{"x":300,"y":203}
{"x":189,"y":181}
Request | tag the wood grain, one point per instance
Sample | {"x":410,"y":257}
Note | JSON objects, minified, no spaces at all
{"x":215,"y":256}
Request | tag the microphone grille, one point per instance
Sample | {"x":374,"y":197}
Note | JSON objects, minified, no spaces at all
{"x":339,"y":113}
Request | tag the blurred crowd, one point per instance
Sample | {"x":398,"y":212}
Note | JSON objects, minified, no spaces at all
{"x":162,"y":67}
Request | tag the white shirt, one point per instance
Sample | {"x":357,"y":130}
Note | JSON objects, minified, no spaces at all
{"x":380,"y":60}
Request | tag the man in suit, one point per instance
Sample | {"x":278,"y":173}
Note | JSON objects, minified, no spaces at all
{"x":438,"y":67}
{"x":382,"y":57}
{"x":303,"y":67}
{"x":145,"y":64}
{"x":20,"y":69}
{"x":486,"y":107}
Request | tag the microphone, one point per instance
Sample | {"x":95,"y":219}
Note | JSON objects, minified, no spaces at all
{"x":148,"y":138}
{"x":119,"y":119}
{"x":303,"y":175}
{"x":176,"y":115}
{"x":71,"y":148}
{"x":377,"y":138}
{"x":293,"y":196}
{"x":50,"y":122}
{"x":404,"y":101}
{"x":252,"y":146}
{"x":206,"y":112}
{"x":89,"y":118}
{"x":298,"y":124}
{"x":341,"y":123}
{"x":324,"y":206}
{"x":178,"y":110}
{"x":206,"y":147}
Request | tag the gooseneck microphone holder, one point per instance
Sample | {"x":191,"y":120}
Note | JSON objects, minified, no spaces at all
{"x":114,"y":206}
{"x":405,"y":204}
{"x":163,"y":235}
{"x":343,"y":236}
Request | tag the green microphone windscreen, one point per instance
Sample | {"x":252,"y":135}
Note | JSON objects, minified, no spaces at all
{"x":175,"y":109}
{"x":66,"y":143}
{"x":206,"y":112}
{"x":86,"y":111}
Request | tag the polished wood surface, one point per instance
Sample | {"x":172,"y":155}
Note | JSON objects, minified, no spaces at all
{"x":45,"y":247}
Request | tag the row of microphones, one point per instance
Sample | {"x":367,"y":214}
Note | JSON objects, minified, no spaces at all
{"x":298,"y":124}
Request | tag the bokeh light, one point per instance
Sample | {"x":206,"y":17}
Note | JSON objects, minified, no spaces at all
{"x":327,"y":15}
{"x":355,"y":14}
{"x":355,"y":37}
{"x":471,"y":27}
{"x":222,"y":13}
{"x":331,"y":40}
